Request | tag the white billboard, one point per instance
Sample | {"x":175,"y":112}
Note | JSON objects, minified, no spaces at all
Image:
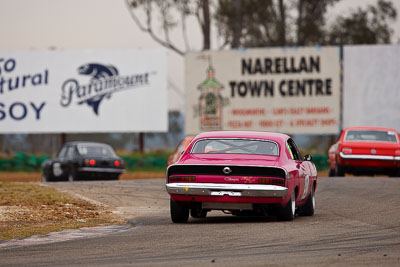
{"x":83,"y":91}
{"x":371,"y":93}
{"x":291,"y":90}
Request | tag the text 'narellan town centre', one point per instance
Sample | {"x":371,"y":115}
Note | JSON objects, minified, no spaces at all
{"x":285,"y":87}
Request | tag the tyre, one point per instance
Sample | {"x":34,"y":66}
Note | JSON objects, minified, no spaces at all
{"x":331,"y":172}
{"x":179,"y":211}
{"x":309,"y":207}
{"x":71,"y":175}
{"x":287,"y":213}
{"x":395,"y":173}
{"x":339,"y":170}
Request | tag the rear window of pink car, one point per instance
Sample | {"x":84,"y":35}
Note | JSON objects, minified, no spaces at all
{"x":236,"y":146}
{"x":371,"y":135}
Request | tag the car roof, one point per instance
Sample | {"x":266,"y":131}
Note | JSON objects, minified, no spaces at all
{"x":85,"y":143}
{"x":278,"y":137}
{"x":370,"y":128}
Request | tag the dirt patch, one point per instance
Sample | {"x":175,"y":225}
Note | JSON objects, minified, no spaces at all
{"x":28,"y":209}
{"x":20,"y":177}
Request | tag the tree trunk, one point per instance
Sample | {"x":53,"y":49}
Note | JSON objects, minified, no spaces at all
{"x":300,"y":22}
{"x":237,"y":31}
{"x":206,"y":25}
{"x":282,"y":28}
{"x":63,"y":138}
{"x":141,"y":142}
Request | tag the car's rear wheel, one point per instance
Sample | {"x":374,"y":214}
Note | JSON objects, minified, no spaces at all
{"x":395,"y":173}
{"x":287,"y":213}
{"x":179,"y":211}
{"x":331,"y":172}
{"x":309,"y":207}
{"x":339,"y":170}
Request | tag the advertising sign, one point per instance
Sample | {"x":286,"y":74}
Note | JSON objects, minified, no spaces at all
{"x":291,"y":90}
{"x":83,"y":91}
{"x":371,"y":90}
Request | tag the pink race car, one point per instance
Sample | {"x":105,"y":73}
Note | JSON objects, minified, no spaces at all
{"x":242,"y":173}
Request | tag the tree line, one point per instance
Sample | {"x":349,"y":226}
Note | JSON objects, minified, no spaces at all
{"x":262,"y":23}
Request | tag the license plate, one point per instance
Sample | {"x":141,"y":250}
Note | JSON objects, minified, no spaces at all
{"x":229,"y":193}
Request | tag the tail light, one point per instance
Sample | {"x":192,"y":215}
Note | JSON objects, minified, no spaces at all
{"x":91,"y":162}
{"x":346,"y":150}
{"x":117,"y":163}
{"x":397,"y":152}
{"x":179,"y":178}
{"x":272,"y":181}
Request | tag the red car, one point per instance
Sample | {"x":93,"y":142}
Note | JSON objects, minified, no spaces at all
{"x":183,"y":144}
{"x":366,"y":150}
{"x":241,"y":173}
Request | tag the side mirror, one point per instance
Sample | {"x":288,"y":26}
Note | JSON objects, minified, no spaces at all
{"x":307,"y":158}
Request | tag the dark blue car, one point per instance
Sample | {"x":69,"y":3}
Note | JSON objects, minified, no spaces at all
{"x":83,"y":160}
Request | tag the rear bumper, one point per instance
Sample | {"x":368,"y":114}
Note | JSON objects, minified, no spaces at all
{"x":231,"y":190}
{"x":369,"y":161}
{"x":370,"y":157}
{"x":100,"y":170}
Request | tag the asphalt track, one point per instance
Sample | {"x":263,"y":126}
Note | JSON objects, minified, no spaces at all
{"x":357,"y":223}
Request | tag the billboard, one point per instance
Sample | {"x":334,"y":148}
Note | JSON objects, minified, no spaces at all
{"x":371,"y":81}
{"x":83,"y":91}
{"x":291,"y":90}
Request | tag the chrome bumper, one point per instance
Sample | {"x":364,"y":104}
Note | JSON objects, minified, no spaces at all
{"x":109,"y":170}
{"x":233,"y":190}
{"x":374,"y":157}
